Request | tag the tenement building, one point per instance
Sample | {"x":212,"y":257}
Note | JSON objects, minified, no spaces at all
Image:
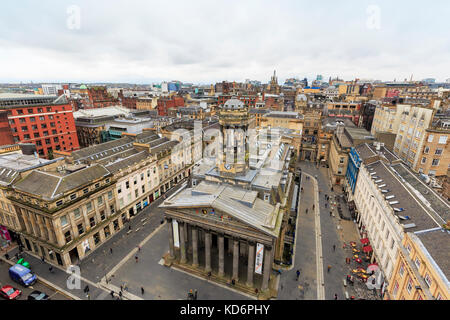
{"x":229,"y":223}
{"x":403,"y":222}
{"x":68,"y":207}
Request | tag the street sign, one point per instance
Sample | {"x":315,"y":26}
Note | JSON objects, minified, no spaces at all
{"x":259,"y":258}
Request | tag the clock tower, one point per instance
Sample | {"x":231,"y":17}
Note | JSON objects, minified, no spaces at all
{"x":233,"y":157}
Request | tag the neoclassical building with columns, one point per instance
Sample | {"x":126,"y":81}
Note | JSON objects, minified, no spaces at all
{"x":228,"y":224}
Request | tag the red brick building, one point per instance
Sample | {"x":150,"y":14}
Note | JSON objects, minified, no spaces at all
{"x":100,"y":98}
{"x":164,"y":104}
{"x":249,"y":100}
{"x":45,"y":121}
{"x":6,"y":136}
{"x":128,"y":102}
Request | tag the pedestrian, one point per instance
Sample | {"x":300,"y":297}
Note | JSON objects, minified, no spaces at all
{"x":129,"y":227}
{"x":50,"y":269}
{"x":88,"y":296}
{"x":335,"y":296}
{"x":209,"y":275}
{"x":195,"y":294}
{"x":139,"y":247}
{"x":233,"y":282}
{"x":121,"y":287}
{"x":120,"y":295}
{"x":334,"y":247}
{"x":329,"y":268}
{"x":112,"y":294}
{"x":190,"y":295}
{"x":298,"y":274}
{"x":332,"y":189}
{"x":331,"y":213}
{"x":142,"y":290}
{"x":43,"y":259}
{"x":110,"y":250}
{"x":313,"y":207}
{"x":306,"y":211}
{"x":136,"y":258}
{"x":6,"y":256}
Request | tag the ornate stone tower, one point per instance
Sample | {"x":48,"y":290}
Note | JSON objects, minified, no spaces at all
{"x":234,"y":151}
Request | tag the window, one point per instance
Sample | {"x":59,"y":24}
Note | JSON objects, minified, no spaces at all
{"x":430,"y":138}
{"x":107,"y":232}
{"x":442,"y":139}
{"x":401,"y":271}
{"x":395,"y":289}
{"x":110,"y":195}
{"x":435,"y":162}
{"x":73,"y":196}
{"x":143,"y":189}
{"x":112,"y":208}
{"x":417,"y":263}
{"x":409,"y":286}
{"x":142,"y":177}
{"x":80,"y":229}
{"x":136,"y":193}
{"x":63,"y":221}
{"x":424,"y":160}
{"x":32,"y":119}
{"x":68,"y":236}
{"x":89,"y":206}
{"x":119,"y":190}
{"x":76,"y":213}
{"x":96,"y":238}
{"x":92,"y":221}
{"x":438,"y":151}
{"x":85,"y":190}
{"x":100,"y":201}
{"x":428,"y":280}
{"x":41,"y":118}
{"x":127,"y":184}
{"x":135,"y":180}
{"x":148,"y":173}
{"x":97,"y":185}
{"x":121,"y":203}
{"x":102,"y":215}
{"x":266,"y":197}
{"x":59,"y":203}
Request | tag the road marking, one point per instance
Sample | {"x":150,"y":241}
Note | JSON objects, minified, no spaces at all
{"x":319,"y":258}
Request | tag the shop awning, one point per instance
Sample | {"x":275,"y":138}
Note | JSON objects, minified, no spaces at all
{"x":367,"y":249}
{"x":364,"y":241}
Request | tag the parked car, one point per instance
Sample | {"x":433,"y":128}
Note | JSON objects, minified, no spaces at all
{"x":22,"y":275}
{"x":10,"y":293}
{"x":38,"y":295}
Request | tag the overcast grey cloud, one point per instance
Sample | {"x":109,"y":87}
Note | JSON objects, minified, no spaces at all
{"x":206,"y":41}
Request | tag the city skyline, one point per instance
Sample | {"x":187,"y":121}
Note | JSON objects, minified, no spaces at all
{"x":202,"y":42}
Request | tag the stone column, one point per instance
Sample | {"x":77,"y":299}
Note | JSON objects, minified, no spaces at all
{"x":251,"y":263}
{"x":207,"y":250}
{"x":267,"y":267}
{"x":221,"y":255}
{"x":235,"y":258}
{"x":182,"y":227}
{"x":171,"y":241}
{"x":194,"y":246}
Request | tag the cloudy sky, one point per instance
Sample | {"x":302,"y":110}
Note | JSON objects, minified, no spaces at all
{"x":142,"y":41}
